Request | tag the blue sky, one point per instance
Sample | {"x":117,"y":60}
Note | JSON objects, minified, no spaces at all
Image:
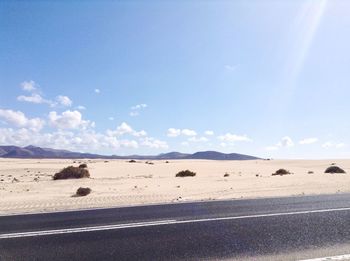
{"x":267,"y":78}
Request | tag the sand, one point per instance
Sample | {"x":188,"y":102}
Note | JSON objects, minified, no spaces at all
{"x":26,"y":185}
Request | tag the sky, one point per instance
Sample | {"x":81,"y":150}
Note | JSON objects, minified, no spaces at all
{"x":264,"y":78}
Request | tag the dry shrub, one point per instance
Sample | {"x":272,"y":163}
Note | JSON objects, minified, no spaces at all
{"x":83,"y":166}
{"x":186,"y":173}
{"x":83,"y":191}
{"x":334,"y":169}
{"x":281,"y":172}
{"x":72,"y":173}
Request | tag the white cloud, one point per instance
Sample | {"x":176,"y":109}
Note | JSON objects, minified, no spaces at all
{"x":330,"y":144}
{"x":80,"y":107}
{"x":124,"y":129}
{"x":286,"y":142}
{"x":188,"y":132}
{"x":308,"y":141}
{"x":29,"y":86}
{"x":68,"y":120}
{"x":229,"y":137}
{"x":185,"y":144}
{"x":77,"y":141}
{"x":198,"y":139}
{"x":141,"y":133}
{"x":33,"y":98}
{"x":139,"y":106}
{"x":36,"y":97}
{"x":340,"y":145}
{"x":73,"y":134}
{"x":15,"y":137}
{"x":111,"y":118}
{"x":154,"y":143}
{"x":223,"y":144}
{"x":270,"y":148}
{"x":97,"y":91}
{"x":64,"y":100}
{"x":134,"y":113}
{"x":129,"y":144}
{"x":135,"y":110}
{"x":173,"y":132}
{"x":209,"y":133}
{"x":327,"y":144}
{"x":18,"y":119}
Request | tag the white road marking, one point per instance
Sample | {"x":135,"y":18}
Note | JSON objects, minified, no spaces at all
{"x":330,"y":258}
{"x":158,"y":223}
{"x":82,"y":229}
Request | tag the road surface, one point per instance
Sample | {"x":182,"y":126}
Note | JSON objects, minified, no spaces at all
{"x":293,"y":228}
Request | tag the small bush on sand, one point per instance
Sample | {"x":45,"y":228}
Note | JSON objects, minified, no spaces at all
{"x":281,"y":172}
{"x":83,"y":191}
{"x":310,"y":172}
{"x":132,"y":161}
{"x":72,"y":173}
{"x":334,"y":169}
{"x":83,"y":166}
{"x":186,"y":173}
{"x":226,"y":175}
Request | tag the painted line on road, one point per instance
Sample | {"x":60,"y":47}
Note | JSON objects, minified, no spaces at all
{"x":158,"y":223}
{"x":83,"y":229}
{"x":330,"y":258}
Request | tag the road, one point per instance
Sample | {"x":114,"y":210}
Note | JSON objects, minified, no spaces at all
{"x":292,"y":228}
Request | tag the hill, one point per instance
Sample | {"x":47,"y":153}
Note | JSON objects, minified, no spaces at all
{"x":38,"y":152}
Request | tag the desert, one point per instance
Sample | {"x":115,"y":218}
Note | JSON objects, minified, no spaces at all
{"x":27,"y":185}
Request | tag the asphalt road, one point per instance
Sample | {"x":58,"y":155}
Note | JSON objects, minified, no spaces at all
{"x":261,"y":229}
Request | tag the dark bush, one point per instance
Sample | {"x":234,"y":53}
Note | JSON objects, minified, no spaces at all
{"x":72,"y":173}
{"x":83,"y":191}
{"x":310,"y":172}
{"x":83,"y":166}
{"x":334,"y":169}
{"x":186,"y":173}
{"x":281,"y":172}
{"x":226,"y":175}
{"x":132,"y":161}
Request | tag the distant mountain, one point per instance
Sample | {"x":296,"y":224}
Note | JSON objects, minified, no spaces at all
{"x":173,"y":155}
{"x":38,"y":152}
{"x":214,"y":155}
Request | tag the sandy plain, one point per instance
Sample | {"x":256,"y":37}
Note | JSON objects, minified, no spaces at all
{"x":26,"y":185}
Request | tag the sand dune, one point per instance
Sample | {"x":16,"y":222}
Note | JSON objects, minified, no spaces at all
{"x":26,"y":185}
